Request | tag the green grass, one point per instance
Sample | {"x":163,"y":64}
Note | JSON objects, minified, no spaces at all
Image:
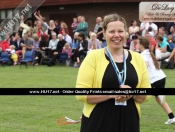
{"x":39,"y":113}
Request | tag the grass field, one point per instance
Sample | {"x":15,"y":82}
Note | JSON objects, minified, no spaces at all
{"x":39,"y":113}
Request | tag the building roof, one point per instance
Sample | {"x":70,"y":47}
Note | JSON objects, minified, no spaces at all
{"x":7,"y":4}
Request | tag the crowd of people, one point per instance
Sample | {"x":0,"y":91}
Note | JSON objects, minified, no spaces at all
{"x":46,"y":41}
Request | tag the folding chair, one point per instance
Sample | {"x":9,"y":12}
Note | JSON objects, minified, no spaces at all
{"x":27,"y":58}
{"x":5,"y":58}
{"x":62,"y":57}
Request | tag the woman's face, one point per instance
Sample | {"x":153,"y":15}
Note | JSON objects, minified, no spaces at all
{"x":93,"y":37}
{"x":134,"y":23}
{"x":53,"y":36}
{"x":52,"y":23}
{"x":115,"y":34}
{"x":80,"y":38}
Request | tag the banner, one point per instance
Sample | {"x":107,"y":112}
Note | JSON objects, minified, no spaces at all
{"x":87,"y":91}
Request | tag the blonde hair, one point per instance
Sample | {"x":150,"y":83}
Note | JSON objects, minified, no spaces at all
{"x":111,"y":18}
{"x":35,"y":37}
{"x":12,"y":47}
{"x":51,"y":21}
{"x":64,"y":25}
{"x":93,"y":34}
{"x":66,"y":45}
{"x":76,"y":34}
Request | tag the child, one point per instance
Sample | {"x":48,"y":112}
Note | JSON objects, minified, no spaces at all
{"x":13,"y":55}
{"x":67,"y":50}
{"x":90,"y":49}
{"x":74,"y":24}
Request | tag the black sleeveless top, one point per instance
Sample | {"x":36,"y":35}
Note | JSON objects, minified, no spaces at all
{"x":108,"y":117}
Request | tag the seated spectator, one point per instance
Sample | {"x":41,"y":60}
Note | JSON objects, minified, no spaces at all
{"x":13,"y":55}
{"x":52,"y":45}
{"x":134,"y":44}
{"x":171,"y":41}
{"x":35,"y":44}
{"x":75,"y":43}
{"x":59,"y":48}
{"x":67,"y":50}
{"x":153,"y":42}
{"x":90,"y":49}
{"x":82,"y":49}
{"x":94,"y":41}
{"x":17,"y":44}
{"x":151,"y":32}
{"x":161,"y":48}
{"x":162,"y":32}
{"x":172,"y":30}
{"x":66,"y":36}
{"x":74,"y":24}
{"x":128,"y":42}
{"x":27,"y":45}
{"x":172,"y":55}
{"x":29,"y":33}
{"x":43,"y":51}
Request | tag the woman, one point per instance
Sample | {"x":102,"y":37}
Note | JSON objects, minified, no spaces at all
{"x":35,"y":45}
{"x":161,"y":48}
{"x":63,"y":27}
{"x":52,"y":28}
{"x":82,"y":49}
{"x":94,"y":41}
{"x":157,"y":76}
{"x":43,"y":50}
{"x":100,"y":114}
{"x":133,"y":28}
{"x":134,"y":44}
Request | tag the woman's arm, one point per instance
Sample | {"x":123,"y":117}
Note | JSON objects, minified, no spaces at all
{"x":163,"y":49}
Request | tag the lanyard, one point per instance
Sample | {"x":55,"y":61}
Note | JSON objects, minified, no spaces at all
{"x":121,"y":75}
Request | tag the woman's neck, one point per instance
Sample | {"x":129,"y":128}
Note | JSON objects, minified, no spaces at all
{"x":117,"y":52}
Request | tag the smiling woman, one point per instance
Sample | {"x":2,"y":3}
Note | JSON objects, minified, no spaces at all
{"x":112,"y":67}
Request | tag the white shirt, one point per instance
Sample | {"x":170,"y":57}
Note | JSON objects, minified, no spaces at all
{"x":154,"y":74}
{"x":142,"y":26}
{"x":154,"y":27}
{"x":133,"y":30}
{"x":53,"y":44}
{"x":68,"y":39}
{"x":81,"y":47}
{"x":131,"y":48}
{"x":12,"y":52}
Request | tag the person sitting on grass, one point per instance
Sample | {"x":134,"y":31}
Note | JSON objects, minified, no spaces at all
{"x":67,"y":50}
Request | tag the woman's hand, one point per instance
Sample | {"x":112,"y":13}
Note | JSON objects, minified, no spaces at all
{"x":123,"y":98}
